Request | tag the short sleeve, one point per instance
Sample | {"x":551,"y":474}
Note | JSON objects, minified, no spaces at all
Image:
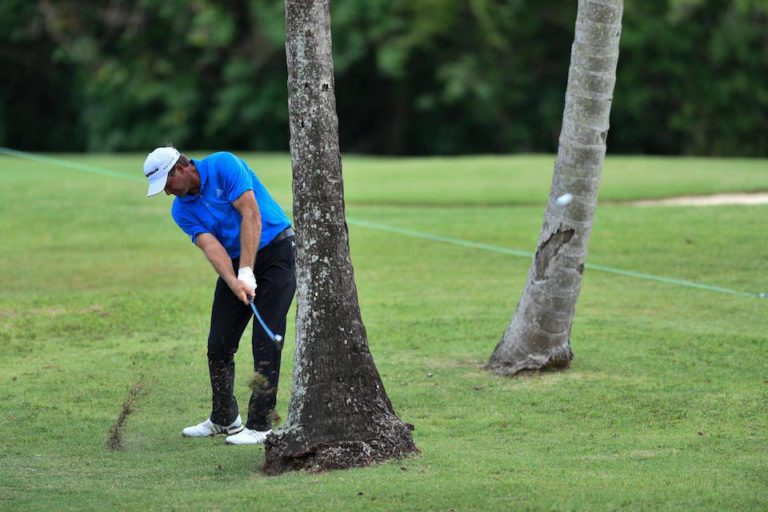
{"x":188,"y":224}
{"x":235,"y":176}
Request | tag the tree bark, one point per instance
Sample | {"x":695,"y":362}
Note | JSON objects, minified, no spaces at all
{"x":538,"y":337}
{"x":339,"y":414}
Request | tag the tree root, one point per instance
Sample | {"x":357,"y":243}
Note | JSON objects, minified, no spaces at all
{"x":326,"y":456}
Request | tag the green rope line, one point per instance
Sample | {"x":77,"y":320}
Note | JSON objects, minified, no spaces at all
{"x":418,"y":234}
{"x":440,"y":238}
{"x":71,"y":165}
{"x":514,"y":252}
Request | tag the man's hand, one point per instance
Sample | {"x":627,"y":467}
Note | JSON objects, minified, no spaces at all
{"x":245,"y":275}
{"x":242,"y":290}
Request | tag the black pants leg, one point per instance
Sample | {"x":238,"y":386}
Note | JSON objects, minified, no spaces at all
{"x":276,"y":277}
{"x":276,"y":285}
{"x":229,"y":317}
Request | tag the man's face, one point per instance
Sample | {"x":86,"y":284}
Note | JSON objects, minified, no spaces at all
{"x":178,"y":183}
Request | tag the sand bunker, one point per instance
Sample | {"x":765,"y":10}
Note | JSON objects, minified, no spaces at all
{"x":713,"y":200}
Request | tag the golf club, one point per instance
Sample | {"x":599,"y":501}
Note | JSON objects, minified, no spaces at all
{"x":276,"y":338}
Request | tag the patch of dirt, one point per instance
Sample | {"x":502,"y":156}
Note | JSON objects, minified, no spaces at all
{"x":96,"y":309}
{"x":115,"y":436}
{"x":52,"y":311}
{"x":632,"y":454}
{"x":712,"y":200}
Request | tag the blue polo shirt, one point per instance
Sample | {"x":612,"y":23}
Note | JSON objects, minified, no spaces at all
{"x":223,"y":179}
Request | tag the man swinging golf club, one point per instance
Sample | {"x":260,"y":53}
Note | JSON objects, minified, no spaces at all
{"x":230,"y":216}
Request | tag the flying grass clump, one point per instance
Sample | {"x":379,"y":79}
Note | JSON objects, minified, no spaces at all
{"x":115,"y":436}
{"x":259,"y":383}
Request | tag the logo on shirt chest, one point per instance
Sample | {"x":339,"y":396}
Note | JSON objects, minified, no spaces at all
{"x":219,"y":193}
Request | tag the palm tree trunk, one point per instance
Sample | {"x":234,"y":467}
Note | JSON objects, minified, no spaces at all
{"x":339,"y":413}
{"x":538,"y":337}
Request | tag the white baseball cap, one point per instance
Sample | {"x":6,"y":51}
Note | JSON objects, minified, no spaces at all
{"x":157,"y":166}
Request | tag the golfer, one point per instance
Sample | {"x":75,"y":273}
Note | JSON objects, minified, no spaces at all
{"x":247,"y":238}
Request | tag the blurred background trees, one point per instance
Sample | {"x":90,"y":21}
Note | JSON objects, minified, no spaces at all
{"x":412,"y":77}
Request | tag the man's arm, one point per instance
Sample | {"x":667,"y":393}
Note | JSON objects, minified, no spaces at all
{"x":250,"y":227}
{"x":219,"y":258}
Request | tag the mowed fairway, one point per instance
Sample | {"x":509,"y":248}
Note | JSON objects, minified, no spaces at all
{"x":665,"y":406}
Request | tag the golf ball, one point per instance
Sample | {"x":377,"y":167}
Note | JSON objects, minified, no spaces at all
{"x":564,"y":199}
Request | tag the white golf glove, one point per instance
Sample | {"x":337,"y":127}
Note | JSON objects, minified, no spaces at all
{"x":245,"y":274}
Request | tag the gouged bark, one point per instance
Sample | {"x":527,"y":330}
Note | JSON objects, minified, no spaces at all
{"x":339,"y":414}
{"x":538,"y":337}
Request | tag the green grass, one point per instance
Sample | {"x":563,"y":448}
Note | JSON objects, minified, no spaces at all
{"x":664,"y":406}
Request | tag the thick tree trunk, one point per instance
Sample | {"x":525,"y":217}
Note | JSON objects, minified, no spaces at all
{"x":339,"y":413}
{"x":538,"y":337}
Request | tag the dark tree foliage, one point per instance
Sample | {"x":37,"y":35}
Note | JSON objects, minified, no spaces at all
{"x":441,"y":77}
{"x":37,"y":105}
{"x":692,"y":78}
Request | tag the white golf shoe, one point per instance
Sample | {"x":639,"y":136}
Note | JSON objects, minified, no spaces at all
{"x":248,"y":436}
{"x":209,"y":428}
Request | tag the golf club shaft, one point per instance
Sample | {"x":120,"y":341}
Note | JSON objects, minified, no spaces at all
{"x":272,"y":336}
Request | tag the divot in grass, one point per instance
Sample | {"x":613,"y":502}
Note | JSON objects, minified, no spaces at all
{"x":115,"y":436}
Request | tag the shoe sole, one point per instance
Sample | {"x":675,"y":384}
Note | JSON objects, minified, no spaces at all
{"x":229,"y":443}
{"x":230,"y":432}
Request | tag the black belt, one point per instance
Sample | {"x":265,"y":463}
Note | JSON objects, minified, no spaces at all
{"x":286,"y":233}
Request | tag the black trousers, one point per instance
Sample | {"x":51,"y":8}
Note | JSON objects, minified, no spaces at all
{"x":275,"y":273}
